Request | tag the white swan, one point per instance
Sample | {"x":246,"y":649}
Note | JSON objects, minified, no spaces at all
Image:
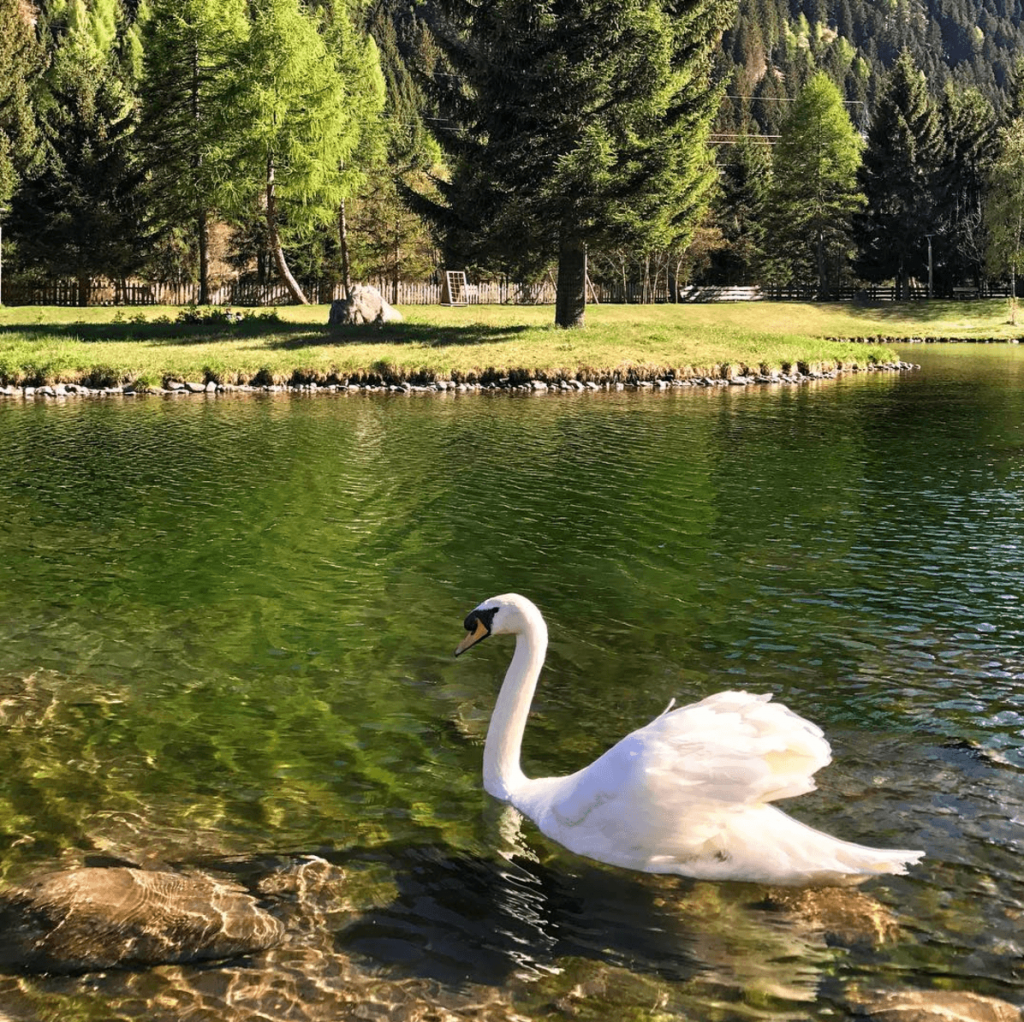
{"x":686,"y":794}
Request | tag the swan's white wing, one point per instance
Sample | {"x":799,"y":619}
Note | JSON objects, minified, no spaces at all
{"x":733,"y":747}
{"x":676,"y":789}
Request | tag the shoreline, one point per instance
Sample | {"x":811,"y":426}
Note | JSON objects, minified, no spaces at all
{"x":514,"y":381}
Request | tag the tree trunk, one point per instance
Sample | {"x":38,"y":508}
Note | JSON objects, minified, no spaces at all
{"x":571,"y":293}
{"x":84,"y":289}
{"x":275,"y":240}
{"x":396,"y":274}
{"x":346,"y":269}
{"x":203,"y":227}
{"x":822,"y":272}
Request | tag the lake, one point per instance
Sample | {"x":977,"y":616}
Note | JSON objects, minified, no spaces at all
{"x":226,"y":635}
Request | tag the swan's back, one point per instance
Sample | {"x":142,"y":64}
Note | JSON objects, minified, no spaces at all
{"x":688,"y":794}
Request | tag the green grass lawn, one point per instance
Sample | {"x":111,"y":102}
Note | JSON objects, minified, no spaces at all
{"x":106,"y":346}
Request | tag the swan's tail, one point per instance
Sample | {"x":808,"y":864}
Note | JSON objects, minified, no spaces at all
{"x":765,"y":845}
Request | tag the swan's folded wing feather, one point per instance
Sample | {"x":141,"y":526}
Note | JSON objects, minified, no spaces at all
{"x":734,"y":747}
{"x":731,"y":749}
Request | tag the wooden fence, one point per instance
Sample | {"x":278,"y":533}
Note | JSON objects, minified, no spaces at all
{"x":244,"y":293}
{"x":916,"y":292}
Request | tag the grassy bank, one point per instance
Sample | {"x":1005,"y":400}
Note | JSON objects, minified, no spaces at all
{"x":105,"y":346}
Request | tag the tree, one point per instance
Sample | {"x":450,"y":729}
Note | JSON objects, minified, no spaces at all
{"x":294,"y":128}
{"x":898,"y":177}
{"x":189,"y":66}
{"x":358,"y":63}
{"x":1015,"y":93}
{"x":19,"y":63}
{"x":814,"y":191}
{"x":740,"y":212}
{"x":79,"y":213}
{"x":1004,"y":207}
{"x":570,"y":125}
{"x":968,"y":127}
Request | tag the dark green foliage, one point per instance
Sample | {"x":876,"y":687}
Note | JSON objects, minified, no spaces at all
{"x":968,"y":127}
{"x":899,"y":177}
{"x":400,"y":37}
{"x":20,"y":61}
{"x":973,"y":43}
{"x":80,"y":212}
{"x":191,"y":49}
{"x":572,"y":125}
{"x":739,"y":211}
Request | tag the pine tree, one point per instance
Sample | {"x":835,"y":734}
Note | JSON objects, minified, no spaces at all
{"x":574,"y":124}
{"x":814,"y":191}
{"x":740,"y":212}
{"x":968,"y":126}
{"x":20,"y":61}
{"x":899,"y":179}
{"x":1015,"y":93}
{"x":79,"y":213}
{"x":190,"y":52}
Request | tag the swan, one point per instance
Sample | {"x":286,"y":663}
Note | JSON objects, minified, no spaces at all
{"x":688,"y":793}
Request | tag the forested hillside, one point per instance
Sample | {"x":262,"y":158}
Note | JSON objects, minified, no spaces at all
{"x":776,"y":44}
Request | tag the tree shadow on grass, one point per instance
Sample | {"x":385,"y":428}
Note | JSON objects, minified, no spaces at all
{"x":923,"y":312}
{"x":159,"y":333}
{"x":277,"y":336}
{"x":425,"y":334}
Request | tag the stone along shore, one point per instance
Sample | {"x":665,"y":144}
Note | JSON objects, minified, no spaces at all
{"x":490,"y":381}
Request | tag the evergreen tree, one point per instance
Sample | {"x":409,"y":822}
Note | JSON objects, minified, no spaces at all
{"x":814,"y":191}
{"x":190,"y":52}
{"x":1015,"y":93}
{"x":739,"y":211}
{"x":574,"y":124}
{"x":19,"y":64}
{"x":899,"y":178}
{"x":1004,"y":207}
{"x":968,"y":126}
{"x":80,"y":213}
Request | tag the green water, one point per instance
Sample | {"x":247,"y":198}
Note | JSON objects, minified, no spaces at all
{"x":226,"y":629}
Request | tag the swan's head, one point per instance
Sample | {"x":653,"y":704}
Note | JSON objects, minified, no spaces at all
{"x":510,"y":614}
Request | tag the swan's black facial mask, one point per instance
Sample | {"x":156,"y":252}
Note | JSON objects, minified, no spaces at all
{"x":478,"y":624}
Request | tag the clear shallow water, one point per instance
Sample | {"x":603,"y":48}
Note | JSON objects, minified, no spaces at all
{"x":225,"y":641}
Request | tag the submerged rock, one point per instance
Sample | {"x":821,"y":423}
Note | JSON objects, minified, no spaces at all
{"x":845,"y":916}
{"x":97,"y":918}
{"x":935,"y":1006}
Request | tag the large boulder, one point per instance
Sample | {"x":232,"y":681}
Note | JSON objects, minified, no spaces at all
{"x":364,"y":305}
{"x":97,"y":918}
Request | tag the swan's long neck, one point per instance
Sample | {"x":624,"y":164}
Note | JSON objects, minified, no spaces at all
{"x":502,"y":772}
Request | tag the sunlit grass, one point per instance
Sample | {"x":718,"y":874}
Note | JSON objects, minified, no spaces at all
{"x":104,"y":345}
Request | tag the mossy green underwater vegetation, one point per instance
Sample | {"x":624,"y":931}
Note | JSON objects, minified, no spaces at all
{"x":108,"y":347}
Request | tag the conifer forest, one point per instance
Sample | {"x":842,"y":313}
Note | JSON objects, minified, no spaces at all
{"x":643,"y":146}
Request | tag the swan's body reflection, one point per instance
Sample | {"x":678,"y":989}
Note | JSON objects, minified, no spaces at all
{"x":465,"y":919}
